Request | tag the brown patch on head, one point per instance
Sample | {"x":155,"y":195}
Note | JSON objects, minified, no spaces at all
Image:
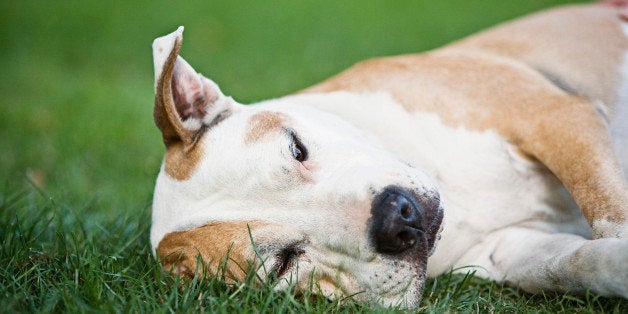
{"x":180,"y":161}
{"x":224,"y":248}
{"x":264,"y":123}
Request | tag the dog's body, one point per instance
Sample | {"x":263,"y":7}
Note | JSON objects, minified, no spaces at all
{"x":506,"y":128}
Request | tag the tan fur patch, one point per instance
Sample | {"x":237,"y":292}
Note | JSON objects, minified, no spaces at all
{"x":264,"y":123}
{"x":581,"y":45}
{"x":180,"y":162}
{"x":179,"y":251}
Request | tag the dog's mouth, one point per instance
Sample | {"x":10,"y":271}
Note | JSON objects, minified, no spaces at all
{"x":403,"y":232}
{"x":381,"y":281}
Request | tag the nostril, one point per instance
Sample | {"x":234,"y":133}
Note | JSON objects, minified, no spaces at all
{"x":406,"y":239}
{"x":406,"y":210}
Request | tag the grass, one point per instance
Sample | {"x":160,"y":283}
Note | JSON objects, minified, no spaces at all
{"x":57,"y":260}
{"x":80,"y":152}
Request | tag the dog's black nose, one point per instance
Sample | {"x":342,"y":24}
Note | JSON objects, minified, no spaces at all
{"x":397,"y":221}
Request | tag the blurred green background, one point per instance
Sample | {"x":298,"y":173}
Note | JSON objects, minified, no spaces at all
{"x":76,"y":79}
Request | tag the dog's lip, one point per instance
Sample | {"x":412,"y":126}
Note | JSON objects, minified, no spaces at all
{"x":372,"y":277}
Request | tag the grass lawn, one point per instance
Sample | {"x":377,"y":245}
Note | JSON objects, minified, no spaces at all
{"x":80,"y":152}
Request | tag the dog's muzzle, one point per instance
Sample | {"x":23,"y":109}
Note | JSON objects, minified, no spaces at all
{"x":400,"y":221}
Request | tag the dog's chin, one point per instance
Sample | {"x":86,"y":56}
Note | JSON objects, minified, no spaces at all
{"x":410,"y":298}
{"x":400,"y":283}
{"x":403,"y":283}
{"x":393,"y":281}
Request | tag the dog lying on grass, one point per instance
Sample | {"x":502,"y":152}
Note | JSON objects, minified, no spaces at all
{"x":494,"y":151}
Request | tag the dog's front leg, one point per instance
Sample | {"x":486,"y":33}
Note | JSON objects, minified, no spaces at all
{"x":538,"y":261}
{"x":569,"y":136}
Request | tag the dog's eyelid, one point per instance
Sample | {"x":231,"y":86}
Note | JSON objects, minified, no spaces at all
{"x":290,"y":132}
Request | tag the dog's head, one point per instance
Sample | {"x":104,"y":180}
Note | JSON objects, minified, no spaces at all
{"x":297,"y":195}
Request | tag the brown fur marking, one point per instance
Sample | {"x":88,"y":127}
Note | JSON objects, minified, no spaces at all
{"x":262,"y":124}
{"x":180,"y":162}
{"x":213,"y":243}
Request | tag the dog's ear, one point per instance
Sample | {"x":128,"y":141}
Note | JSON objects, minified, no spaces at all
{"x":186,"y":103}
{"x":223,"y":247}
{"x":232,"y":249}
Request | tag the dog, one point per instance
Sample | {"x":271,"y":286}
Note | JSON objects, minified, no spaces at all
{"x":502,"y":151}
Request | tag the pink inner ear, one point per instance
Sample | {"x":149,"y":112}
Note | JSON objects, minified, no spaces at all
{"x":192,"y":93}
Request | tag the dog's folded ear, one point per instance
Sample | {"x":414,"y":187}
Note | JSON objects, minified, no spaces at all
{"x":186,"y":103}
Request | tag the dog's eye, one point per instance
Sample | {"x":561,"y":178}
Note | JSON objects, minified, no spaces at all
{"x":298,"y":150}
{"x":286,"y":259}
{"x":284,"y":263}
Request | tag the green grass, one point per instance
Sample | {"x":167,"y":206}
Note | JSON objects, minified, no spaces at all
{"x":80,"y":152}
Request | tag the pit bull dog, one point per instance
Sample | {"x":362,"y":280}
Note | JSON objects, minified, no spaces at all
{"x":502,"y":151}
